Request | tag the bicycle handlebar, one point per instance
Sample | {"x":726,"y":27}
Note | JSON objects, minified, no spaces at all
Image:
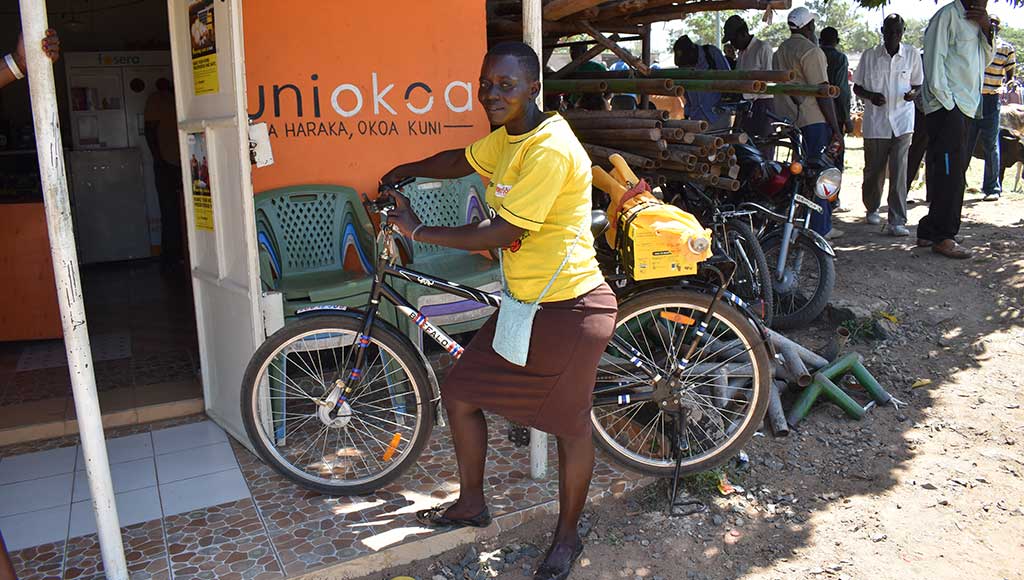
{"x":385,"y":201}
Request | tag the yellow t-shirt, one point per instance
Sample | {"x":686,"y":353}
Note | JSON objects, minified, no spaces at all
{"x":540,"y":181}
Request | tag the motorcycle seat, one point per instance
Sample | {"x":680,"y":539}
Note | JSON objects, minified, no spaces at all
{"x":748,"y":154}
{"x":598,"y":222}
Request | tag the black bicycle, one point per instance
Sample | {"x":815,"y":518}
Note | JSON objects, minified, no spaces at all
{"x":342,"y":402}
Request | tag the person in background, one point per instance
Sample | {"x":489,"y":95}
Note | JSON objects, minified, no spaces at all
{"x":888,"y":78}
{"x":919,"y":142}
{"x":816,"y":117}
{"x":15,"y":65}
{"x":754,"y":55}
{"x":838,"y":75}
{"x":701,"y":105}
{"x":730,"y":54}
{"x":986,"y":125}
{"x":15,"y":68}
{"x":162,"y":137}
{"x":589,"y":101}
{"x":957,"y":48}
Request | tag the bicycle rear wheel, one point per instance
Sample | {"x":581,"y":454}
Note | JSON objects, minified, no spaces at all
{"x":303,"y":421}
{"x":753,"y":279}
{"x":724,"y":389}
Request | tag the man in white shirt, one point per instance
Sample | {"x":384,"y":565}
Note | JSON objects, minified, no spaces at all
{"x":754,"y":54}
{"x":888,"y":78}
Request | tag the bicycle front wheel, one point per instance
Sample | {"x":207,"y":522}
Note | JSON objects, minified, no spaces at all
{"x":317,"y":425}
{"x":717,"y":402}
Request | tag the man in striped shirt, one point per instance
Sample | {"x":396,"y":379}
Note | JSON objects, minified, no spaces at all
{"x":986,"y":125}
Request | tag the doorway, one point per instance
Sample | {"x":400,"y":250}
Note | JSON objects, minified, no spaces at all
{"x":139,"y":303}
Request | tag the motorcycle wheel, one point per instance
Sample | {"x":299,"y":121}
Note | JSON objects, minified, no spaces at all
{"x":806,"y":285}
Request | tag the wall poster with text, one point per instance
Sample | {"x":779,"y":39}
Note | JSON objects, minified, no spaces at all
{"x":203,"y":37}
{"x":199,"y":171}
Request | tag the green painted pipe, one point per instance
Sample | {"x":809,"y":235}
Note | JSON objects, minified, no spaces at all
{"x":802,"y":90}
{"x":803,"y":404}
{"x":869,"y":383}
{"x":840,"y":367}
{"x":822,"y":383}
{"x":720,"y":86}
{"x":845,"y":402}
{"x":775,"y":76}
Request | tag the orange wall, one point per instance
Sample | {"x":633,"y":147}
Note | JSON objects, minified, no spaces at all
{"x":28,"y":296}
{"x":343,"y":43}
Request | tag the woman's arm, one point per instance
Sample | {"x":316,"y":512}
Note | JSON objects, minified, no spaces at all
{"x":449,"y":164}
{"x":484,"y":235}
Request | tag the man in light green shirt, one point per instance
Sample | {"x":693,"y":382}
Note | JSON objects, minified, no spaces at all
{"x":957,"y":48}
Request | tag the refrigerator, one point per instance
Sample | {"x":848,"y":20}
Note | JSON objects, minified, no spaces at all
{"x":113,"y":191}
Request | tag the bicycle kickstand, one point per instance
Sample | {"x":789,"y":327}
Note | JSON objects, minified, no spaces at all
{"x":688,"y":505}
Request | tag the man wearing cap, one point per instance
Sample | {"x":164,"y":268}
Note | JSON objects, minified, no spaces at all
{"x":957,"y":48}
{"x":816,"y":117}
{"x":755,"y":55}
{"x":986,"y":125}
{"x":888,"y":78}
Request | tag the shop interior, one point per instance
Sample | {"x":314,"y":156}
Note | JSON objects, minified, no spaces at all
{"x":115,"y":59}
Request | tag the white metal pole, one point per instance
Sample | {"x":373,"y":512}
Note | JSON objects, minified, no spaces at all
{"x":69,"y":287}
{"x":532,"y":22}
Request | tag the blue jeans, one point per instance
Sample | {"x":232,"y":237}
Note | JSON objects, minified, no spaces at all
{"x":816,"y":139}
{"x":986,"y":128}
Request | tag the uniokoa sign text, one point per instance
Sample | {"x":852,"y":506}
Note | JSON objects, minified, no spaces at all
{"x":347,"y":111}
{"x":349,"y":90}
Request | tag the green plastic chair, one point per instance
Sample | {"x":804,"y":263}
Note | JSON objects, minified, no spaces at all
{"x":452,"y":203}
{"x":315,"y":245}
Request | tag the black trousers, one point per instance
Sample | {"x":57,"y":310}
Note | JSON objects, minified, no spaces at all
{"x":918,"y":146}
{"x":945,"y":174}
{"x":168,"y":188}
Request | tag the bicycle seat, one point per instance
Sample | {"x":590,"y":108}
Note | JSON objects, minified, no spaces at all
{"x":598,"y":223}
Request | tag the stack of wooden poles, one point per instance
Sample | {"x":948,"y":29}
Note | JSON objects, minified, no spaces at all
{"x":661,"y":149}
{"x":668,"y":150}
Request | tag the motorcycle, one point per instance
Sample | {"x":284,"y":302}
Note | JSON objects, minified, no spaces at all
{"x":782,"y":197}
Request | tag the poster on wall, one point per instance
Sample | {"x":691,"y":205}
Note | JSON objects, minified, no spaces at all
{"x":204,"y":47}
{"x":202,"y":197}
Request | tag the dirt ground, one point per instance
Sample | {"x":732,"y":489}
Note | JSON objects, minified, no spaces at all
{"x":933,"y":490}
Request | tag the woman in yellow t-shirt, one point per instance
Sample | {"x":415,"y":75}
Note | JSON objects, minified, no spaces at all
{"x":539,"y":192}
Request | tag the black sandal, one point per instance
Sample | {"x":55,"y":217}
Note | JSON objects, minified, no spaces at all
{"x":435,"y":518}
{"x":549,"y":572}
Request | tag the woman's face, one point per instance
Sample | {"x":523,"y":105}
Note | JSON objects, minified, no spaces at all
{"x":505,"y":91}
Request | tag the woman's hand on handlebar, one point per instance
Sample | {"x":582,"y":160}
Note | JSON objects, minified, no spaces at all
{"x":393,"y":177}
{"x":402,"y":217}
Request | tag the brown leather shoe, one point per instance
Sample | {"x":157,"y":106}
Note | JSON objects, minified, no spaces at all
{"x":923,"y":243}
{"x":951,"y":249}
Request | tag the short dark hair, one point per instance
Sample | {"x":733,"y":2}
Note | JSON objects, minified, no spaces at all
{"x":523,"y":53}
{"x":829,"y":36}
{"x":683,"y":43}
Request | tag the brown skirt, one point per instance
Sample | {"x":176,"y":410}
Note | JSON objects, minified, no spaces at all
{"x":554,"y":391}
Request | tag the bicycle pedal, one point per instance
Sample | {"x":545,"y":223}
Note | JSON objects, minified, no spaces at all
{"x":518,"y":434}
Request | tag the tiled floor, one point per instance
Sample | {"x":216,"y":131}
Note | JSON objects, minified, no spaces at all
{"x":144,"y":346}
{"x":142,"y":329}
{"x":195,"y":504}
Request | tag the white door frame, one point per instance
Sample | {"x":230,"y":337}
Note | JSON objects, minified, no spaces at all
{"x":219,"y":271}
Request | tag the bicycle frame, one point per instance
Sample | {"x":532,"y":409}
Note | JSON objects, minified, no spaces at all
{"x":381,"y":290}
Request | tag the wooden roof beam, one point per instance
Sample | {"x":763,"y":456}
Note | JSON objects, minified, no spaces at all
{"x":669,"y":12}
{"x":559,"y":9}
{"x":626,"y":57}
